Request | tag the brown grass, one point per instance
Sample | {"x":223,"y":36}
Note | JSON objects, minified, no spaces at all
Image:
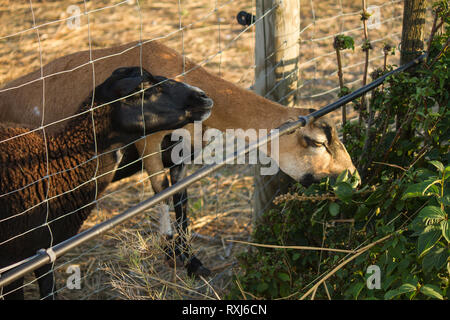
{"x":128,"y":263}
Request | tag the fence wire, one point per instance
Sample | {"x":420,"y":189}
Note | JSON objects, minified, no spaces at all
{"x":220,"y":205}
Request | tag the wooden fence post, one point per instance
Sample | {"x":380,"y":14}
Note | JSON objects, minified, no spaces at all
{"x":412,"y":33}
{"x":276,"y":76}
{"x":412,"y":40}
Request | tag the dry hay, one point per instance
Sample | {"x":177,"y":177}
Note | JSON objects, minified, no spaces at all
{"x":129,"y":262}
{"x":118,"y":24}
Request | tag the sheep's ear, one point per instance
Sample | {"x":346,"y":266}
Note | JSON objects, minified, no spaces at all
{"x":149,"y":77}
{"x":125,"y":86}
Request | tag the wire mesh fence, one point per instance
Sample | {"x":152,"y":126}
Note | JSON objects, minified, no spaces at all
{"x":129,"y":261}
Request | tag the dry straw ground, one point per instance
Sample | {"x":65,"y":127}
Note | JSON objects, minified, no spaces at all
{"x":127,"y":262}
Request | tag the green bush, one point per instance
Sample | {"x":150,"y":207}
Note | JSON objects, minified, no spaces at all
{"x":401,"y":149}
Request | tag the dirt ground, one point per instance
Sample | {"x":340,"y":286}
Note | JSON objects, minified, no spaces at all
{"x":127,"y":262}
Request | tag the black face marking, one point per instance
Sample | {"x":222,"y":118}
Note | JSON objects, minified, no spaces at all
{"x":327,"y":130}
{"x":163,"y":104}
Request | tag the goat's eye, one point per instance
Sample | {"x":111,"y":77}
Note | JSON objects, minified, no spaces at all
{"x":317,"y":144}
{"x":313,"y":143}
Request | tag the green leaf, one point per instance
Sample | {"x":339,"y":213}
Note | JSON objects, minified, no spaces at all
{"x":399,"y":205}
{"x":445,"y":230}
{"x":349,"y":43}
{"x":355,"y":179}
{"x":446,"y":172}
{"x":284,"y":276}
{"x":355,"y":289}
{"x":344,"y":42}
{"x":361,"y":212}
{"x":438,"y":165}
{"x":262,"y":287}
{"x":435,"y":259}
{"x":343,"y":191}
{"x":446,"y":200}
{"x":343,"y":177}
{"x":431,"y":212}
{"x":428,"y":239}
{"x":417,"y":190}
{"x":334,"y":209}
{"x":284,"y":289}
{"x":432,"y":291}
{"x":388,"y":281}
{"x":375,"y":197}
{"x":426,"y":174}
{"x":432,"y":185}
{"x":404,"y":288}
{"x":404,"y":265}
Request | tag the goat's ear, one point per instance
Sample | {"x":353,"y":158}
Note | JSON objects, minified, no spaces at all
{"x":125,"y":86}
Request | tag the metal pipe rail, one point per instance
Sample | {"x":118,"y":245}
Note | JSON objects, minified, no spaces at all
{"x":42,"y":257}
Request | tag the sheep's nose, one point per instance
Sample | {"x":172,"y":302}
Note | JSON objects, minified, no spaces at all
{"x":202,"y":94}
{"x":202,"y":99}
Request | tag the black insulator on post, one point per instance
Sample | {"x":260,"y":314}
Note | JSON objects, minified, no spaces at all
{"x":245,"y":18}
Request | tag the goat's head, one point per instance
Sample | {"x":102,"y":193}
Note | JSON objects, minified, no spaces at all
{"x":164,"y":104}
{"x":310,"y":153}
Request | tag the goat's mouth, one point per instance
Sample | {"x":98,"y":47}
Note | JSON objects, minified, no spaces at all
{"x":307,"y":179}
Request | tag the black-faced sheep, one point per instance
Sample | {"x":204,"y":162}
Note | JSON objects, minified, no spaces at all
{"x":49,"y":182}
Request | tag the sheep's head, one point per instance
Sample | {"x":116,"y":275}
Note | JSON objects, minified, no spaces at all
{"x":163,"y":104}
{"x":310,"y":153}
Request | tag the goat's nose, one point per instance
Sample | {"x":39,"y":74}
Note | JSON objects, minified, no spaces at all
{"x":307,"y":179}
